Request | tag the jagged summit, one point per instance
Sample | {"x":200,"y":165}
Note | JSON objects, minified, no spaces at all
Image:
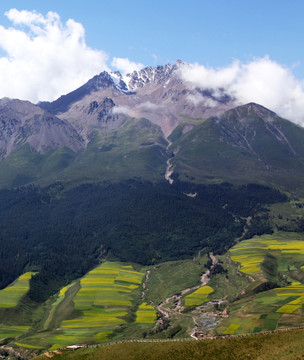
{"x":155,"y":93}
{"x":159,"y":74}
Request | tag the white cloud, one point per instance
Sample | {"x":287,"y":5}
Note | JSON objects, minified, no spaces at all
{"x":148,"y":105}
{"x":45,"y":58}
{"x":125,"y":66}
{"x":196,"y":99}
{"x":121,"y":110}
{"x":262,"y":81}
{"x":199,"y":75}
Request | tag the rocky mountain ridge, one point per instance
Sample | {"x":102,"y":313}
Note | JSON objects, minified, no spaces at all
{"x":24,"y":123}
{"x":148,"y":125}
{"x":157,"y":94}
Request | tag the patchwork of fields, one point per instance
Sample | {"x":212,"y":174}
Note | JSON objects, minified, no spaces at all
{"x":100,"y":303}
{"x":288,"y":246}
{"x":9,"y":298}
{"x":105,"y":304}
{"x":104,"y":301}
{"x":276,"y":308}
{"x":145,"y":314}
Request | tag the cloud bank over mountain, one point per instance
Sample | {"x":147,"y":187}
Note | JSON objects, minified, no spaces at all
{"x":262,"y":81}
{"x":44,"y":58}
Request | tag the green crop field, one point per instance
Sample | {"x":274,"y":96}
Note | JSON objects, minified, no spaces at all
{"x":7,"y":331}
{"x":145,"y":314}
{"x":10,"y":296}
{"x":289,"y":247}
{"x":103,"y":303}
{"x":278,"y":257}
{"x":199,"y":296}
{"x":257,"y":286}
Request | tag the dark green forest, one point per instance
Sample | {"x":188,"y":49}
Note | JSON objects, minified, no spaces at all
{"x":63,"y":233}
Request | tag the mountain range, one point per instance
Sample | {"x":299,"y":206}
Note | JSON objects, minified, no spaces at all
{"x":149,"y":124}
{"x":165,"y":189}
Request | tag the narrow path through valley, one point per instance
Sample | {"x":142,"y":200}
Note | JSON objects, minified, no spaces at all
{"x":170,"y":167}
{"x":172,"y":306}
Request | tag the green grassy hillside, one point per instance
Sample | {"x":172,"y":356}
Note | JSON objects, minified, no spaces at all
{"x":137,"y":149}
{"x":246,"y":144}
{"x":282,"y":346}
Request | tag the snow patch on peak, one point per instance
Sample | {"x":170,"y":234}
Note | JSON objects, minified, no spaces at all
{"x":131,"y":82}
{"x":119,"y":82}
{"x":140,"y":78}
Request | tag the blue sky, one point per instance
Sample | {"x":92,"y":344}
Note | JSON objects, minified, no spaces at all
{"x":213,"y":33}
{"x":252,"y":48}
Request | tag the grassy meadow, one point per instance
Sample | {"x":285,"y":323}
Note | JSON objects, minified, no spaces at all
{"x":281,"y":346}
{"x":169,"y":278}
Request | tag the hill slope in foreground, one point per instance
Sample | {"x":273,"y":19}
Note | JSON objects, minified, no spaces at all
{"x":285,"y":345}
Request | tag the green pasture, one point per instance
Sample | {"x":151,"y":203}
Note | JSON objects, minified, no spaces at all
{"x":171,"y":277}
{"x":227,"y":285}
{"x":55,"y":305}
{"x":286,"y":214}
{"x":10,"y":296}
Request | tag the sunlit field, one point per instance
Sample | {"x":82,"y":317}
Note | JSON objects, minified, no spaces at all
{"x":199,"y":296}
{"x":10,"y":296}
{"x":277,"y":257}
{"x":103,"y":302}
{"x":145,"y":314}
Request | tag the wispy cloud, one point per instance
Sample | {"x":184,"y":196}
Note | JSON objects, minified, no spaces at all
{"x":125,"y":66}
{"x":262,"y":80}
{"x":45,"y":58}
{"x":121,"y":110}
{"x":148,"y":105}
{"x":197,"y":99}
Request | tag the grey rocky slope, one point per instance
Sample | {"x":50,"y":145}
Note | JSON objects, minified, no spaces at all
{"x":22,"y":123}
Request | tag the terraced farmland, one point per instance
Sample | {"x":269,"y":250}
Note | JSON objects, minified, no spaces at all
{"x":7,"y":331}
{"x":103,"y":302}
{"x":288,"y":247}
{"x":9,"y":298}
{"x":277,"y":308}
{"x":145,"y":314}
{"x":11,"y":295}
{"x":266,"y":311}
